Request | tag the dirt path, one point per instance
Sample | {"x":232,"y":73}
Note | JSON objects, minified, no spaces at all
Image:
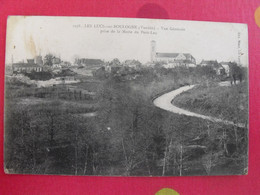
{"x":165,"y":102}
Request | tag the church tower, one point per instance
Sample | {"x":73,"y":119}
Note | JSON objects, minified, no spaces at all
{"x":153,"y":50}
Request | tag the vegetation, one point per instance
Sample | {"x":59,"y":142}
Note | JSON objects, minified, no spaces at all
{"x":65,"y":72}
{"x":39,"y":75}
{"x":128,"y":136}
{"x":226,"y":102}
{"x":48,"y":59}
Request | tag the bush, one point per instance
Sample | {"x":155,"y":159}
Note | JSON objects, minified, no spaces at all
{"x":65,"y":72}
{"x":43,"y":76}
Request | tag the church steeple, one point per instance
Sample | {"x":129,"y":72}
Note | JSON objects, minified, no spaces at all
{"x":153,"y":50}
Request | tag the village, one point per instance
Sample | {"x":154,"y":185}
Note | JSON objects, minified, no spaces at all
{"x":99,"y":68}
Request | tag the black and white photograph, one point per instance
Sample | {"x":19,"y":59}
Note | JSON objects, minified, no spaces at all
{"x":125,"y":97}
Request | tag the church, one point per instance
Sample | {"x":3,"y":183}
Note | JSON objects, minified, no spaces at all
{"x":171,"y":60}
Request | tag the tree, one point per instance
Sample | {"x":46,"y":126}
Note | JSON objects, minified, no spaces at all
{"x":236,"y":72}
{"x":48,"y":59}
{"x":25,"y":144}
{"x":115,"y":62}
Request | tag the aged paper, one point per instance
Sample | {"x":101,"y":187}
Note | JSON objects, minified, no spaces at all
{"x":125,"y":97}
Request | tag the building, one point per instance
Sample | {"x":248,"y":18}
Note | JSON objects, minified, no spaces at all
{"x":56,"y":60}
{"x":132,"y":64}
{"x":107,"y":67}
{"x":209,"y":63}
{"x":219,"y":70}
{"x":100,"y":73}
{"x":225,"y":65}
{"x":28,"y":67}
{"x":65,"y":64}
{"x":38,"y":60}
{"x":89,"y":62}
{"x":217,"y":67}
{"x":56,"y":66}
{"x":171,"y":60}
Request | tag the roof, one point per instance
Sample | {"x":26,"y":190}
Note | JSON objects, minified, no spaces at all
{"x":30,"y":61}
{"x":167,"y":55}
{"x":132,"y":62}
{"x":187,"y":55}
{"x":25,"y":65}
{"x":172,"y":55}
{"x":88,"y":61}
{"x":225,"y":65}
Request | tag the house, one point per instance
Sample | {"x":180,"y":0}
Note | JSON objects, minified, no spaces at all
{"x":89,"y":62}
{"x":115,"y":66}
{"x":219,"y":70}
{"x":107,"y":67}
{"x":28,"y":67}
{"x":65,"y":64}
{"x":132,"y":64}
{"x":225,"y":65}
{"x":208,"y":63}
{"x":56,"y":60}
{"x":100,"y":73}
{"x":56,"y":66}
{"x":171,"y":60}
{"x":217,"y":67}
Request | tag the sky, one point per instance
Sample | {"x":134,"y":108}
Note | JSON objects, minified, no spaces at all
{"x":103,"y":38}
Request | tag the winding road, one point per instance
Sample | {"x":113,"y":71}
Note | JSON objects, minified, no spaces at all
{"x":165,"y":102}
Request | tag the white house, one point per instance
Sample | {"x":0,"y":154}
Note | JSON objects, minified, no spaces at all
{"x":225,"y":65}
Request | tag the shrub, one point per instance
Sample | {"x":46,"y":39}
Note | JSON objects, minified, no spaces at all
{"x":43,"y":76}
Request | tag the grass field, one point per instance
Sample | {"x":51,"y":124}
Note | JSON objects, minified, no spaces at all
{"x":225,"y":102}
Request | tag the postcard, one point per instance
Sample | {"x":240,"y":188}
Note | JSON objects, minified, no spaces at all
{"x":125,"y":97}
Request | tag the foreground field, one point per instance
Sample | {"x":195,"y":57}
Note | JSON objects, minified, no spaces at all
{"x":47,"y":133}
